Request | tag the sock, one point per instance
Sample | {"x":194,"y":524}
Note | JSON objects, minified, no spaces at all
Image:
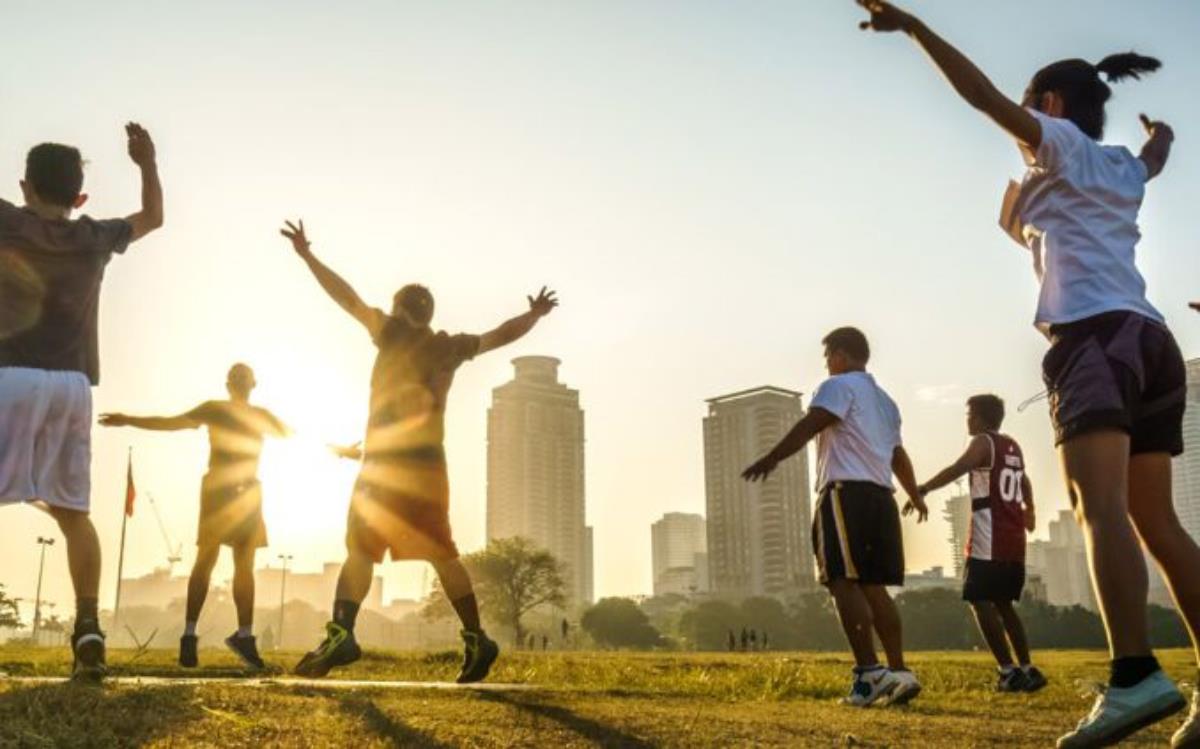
{"x":345,"y":613}
{"x":246,"y":631}
{"x":189,"y":629}
{"x":1129,"y":671}
{"x":468,"y":612}
{"x":860,"y":670}
{"x":1006,"y":670}
{"x":87,"y":613}
{"x":1025,"y":667}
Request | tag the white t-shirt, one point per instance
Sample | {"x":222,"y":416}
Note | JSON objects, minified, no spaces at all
{"x":859,"y":446}
{"x":1077,"y":210}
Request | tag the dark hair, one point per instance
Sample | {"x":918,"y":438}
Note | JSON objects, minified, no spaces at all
{"x":989,"y":407}
{"x":55,"y":172}
{"x":1083,"y":93}
{"x":239,"y":375}
{"x":417,"y":302}
{"x":849,"y":341}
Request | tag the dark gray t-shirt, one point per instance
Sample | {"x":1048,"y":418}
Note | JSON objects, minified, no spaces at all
{"x":50,"y":276}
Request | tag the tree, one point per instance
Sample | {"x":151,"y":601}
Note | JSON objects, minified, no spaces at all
{"x":707,"y":626}
{"x":10,"y":615}
{"x":817,"y":621}
{"x":512,"y":577}
{"x":936,"y":619}
{"x":619,"y":623}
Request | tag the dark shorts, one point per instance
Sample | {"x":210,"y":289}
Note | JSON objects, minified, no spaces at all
{"x":988,"y":580}
{"x":401,"y":507}
{"x":856,"y":534}
{"x":1118,"y":370}
{"x":231,"y":513}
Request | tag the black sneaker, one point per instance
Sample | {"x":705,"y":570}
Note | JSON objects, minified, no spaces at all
{"x":187,"y":651}
{"x":338,"y":649}
{"x":1034,"y":679}
{"x":1013,"y":680}
{"x":88,"y":648}
{"x":245,"y":648}
{"x":479,"y":653}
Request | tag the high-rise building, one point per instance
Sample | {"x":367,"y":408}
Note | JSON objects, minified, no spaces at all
{"x":1061,"y":564}
{"x":758,"y":533}
{"x":678,"y":545}
{"x":535,"y":483}
{"x":957,"y":514}
{"x":1186,"y":467}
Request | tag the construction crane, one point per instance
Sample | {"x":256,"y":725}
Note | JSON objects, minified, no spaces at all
{"x":174,"y":551}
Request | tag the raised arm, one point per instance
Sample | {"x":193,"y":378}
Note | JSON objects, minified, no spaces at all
{"x":1027,"y":500}
{"x":335,"y":286}
{"x":977,"y":455}
{"x":816,"y":420}
{"x":518,"y":326}
{"x":967,"y":79}
{"x":1158,"y":146}
{"x":154,"y":423}
{"x":141,"y":150}
{"x":903,"y":468}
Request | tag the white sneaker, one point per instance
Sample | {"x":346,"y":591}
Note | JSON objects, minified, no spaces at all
{"x":871,"y":686}
{"x":1188,"y":735}
{"x":908,"y":688}
{"x":1117,"y":713}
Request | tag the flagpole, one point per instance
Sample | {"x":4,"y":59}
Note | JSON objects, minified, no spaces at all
{"x":121,"y":554}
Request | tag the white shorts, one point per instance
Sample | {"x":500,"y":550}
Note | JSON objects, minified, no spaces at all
{"x":45,"y":437}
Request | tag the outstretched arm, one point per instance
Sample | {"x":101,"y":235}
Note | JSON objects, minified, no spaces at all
{"x":1158,"y":147}
{"x":977,"y":455}
{"x":154,"y":423}
{"x":903,"y":468}
{"x":141,"y":150}
{"x":335,"y":286}
{"x":967,"y":79}
{"x":518,"y":326}
{"x":816,"y":420}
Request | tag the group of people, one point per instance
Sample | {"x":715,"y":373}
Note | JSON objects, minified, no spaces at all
{"x":1114,"y":374}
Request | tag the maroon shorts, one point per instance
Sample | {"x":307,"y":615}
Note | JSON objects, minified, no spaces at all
{"x":1117,"y":370}
{"x":401,"y":506}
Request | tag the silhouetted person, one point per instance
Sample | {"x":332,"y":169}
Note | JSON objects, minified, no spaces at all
{"x":732,"y":641}
{"x":51,"y":269}
{"x":753,"y":640}
{"x":765,"y":640}
{"x":745,"y":639}
{"x":230,"y":503}
{"x":401,"y":500}
{"x":545,"y":643}
{"x":566,"y":628}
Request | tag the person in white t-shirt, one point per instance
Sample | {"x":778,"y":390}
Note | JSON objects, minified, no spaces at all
{"x":856,"y":527}
{"x":1114,"y":373}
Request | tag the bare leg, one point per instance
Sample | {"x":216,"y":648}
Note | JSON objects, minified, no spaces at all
{"x":1153,"y":514}
{"x":992,"y":629}
{"x":83,"y":551}
{"x":243,"y":585}
{"x":1096,"y":465}
{"x":206,"y":559}
{"x":354,"y":581}
{"x":886,"y":618}
{"x":1016,"y":631}
{"x":456,"y":582}
{"x":855,"y":614}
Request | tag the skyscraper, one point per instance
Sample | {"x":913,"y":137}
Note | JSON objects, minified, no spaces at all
{"x":535,"y":469}
{"x":1186,"y":468}
{"x":1061,"y":564}
{"x":678,"y":543}
{"x":957,"y":514}
{"x":758,"y":534}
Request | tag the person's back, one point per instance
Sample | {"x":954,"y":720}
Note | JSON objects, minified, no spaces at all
{"x":997,"y":531}
{"x":859,"y":446}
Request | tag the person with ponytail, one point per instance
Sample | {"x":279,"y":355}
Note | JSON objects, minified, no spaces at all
{"x":1114,"y":373}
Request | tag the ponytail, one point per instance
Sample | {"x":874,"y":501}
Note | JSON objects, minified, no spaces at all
{"x":1083,"y":92}
{"x":1127,"y":65}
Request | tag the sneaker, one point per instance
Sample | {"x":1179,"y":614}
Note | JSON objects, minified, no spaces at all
{"x":479,"y":653}
{"x":907,"y":689}
{"x":245,"y":648}
{"x":88,"y":649}
{"x":1034,"y":679}
{"x":871,"y":686}
{"x":1012,"y":680}
{"x":187,"y":651}
{"x":1117,"y":713}
{"x":1188,"y":735}
{"x":338,"y":649}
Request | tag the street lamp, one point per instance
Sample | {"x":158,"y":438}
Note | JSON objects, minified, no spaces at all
{"x":37,"y":602}
{"x":284,"y":558}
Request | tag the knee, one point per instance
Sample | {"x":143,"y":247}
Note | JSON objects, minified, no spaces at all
{"x":1157,"y":528}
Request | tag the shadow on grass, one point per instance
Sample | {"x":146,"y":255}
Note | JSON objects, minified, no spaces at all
{"x":385,"y":726}
{"x":77,"y":715}
{"x":600,"y":733}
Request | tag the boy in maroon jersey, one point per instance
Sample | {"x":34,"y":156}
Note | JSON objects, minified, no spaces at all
{"x":1001,"y":514}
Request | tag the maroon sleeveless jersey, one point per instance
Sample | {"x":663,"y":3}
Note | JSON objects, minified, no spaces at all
{"x":997,"y":504}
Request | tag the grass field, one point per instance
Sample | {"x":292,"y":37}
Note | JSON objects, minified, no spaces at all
{"x":579,"y":699}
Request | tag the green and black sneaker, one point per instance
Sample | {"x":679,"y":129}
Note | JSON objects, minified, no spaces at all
{"x":479,"y":653}
{"x":87,"y":645}
{"x":338,"y":649}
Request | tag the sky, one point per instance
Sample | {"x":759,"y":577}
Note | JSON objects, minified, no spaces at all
{"x":710,"y":186}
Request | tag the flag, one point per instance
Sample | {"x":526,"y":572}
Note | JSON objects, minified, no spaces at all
{"x":130,"y":490}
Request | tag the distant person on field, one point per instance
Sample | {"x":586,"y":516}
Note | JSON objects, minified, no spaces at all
{"x":1115,"y":374}
{"x":51,"y":269}
{"x":230,"y":503}
{"x":732,"y":641}
{"x":856,"y":528}
{"x":400,"y":505}
{"x":1001,"y":514}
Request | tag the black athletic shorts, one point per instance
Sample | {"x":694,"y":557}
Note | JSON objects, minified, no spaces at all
{"x":856,"y":534}
{"x":1117,"y":370}
{"x":989,"y":580}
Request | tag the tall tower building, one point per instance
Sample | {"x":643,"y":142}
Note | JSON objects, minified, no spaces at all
{"x":1186,"y":468}
{"x":678,"y":545}
{"x":957,"y":514}
{"x":535,"y":469}
{"x":758,"y":533}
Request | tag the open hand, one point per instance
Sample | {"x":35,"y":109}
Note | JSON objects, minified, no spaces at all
{"x":295,"y":232}
{"x":544,"y":304}
{"x":884,"y":16}
{"x":349,"y":452}
{"x":916,"y":504}
{"x":141,"y":145}
{"x":1156,"y":128}
{"x":760,"y":470}
{"x":114,"y":420}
